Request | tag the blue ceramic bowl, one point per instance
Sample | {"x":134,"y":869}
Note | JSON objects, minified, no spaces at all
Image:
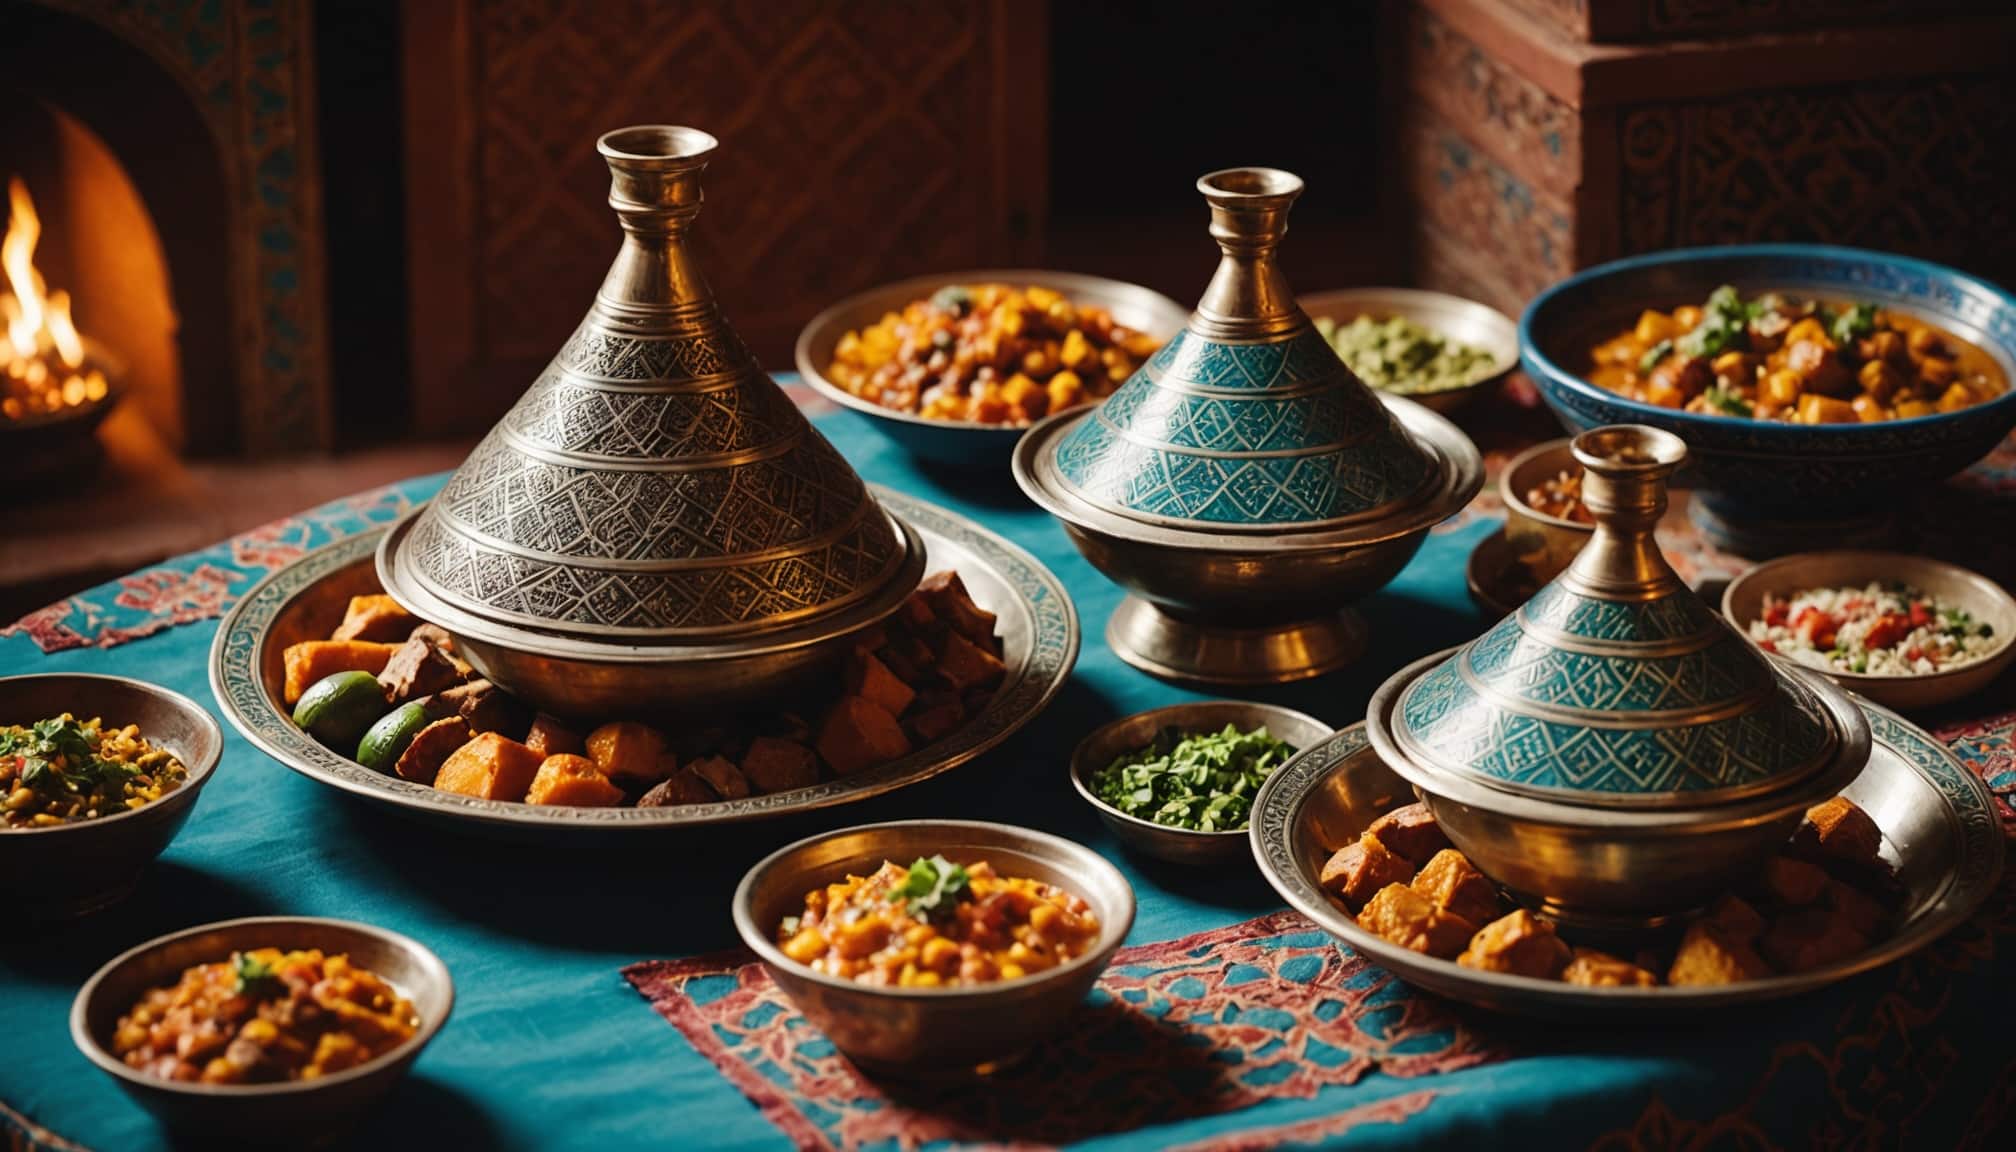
{"x":1760,"y":470}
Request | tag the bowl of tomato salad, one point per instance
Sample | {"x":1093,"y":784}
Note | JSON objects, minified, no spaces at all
{"x":1909,"y":632}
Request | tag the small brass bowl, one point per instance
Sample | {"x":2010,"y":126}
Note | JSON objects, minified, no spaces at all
{"x":1986,"y":601}
{"x":1114,"y":739}
{"x":293,"y":1113}
{"x":931,"y":1033}
{"x":1544,"y":544}
{"x":72,"y":869}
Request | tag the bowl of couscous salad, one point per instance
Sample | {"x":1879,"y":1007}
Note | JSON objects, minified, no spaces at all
{"x":1906,"y":631}
{"x":97,"y":774}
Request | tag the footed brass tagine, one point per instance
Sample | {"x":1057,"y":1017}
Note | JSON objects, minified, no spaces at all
{"x":1243,"y":485}
{"x":654,"y":526}
{"x":1612,"y":752}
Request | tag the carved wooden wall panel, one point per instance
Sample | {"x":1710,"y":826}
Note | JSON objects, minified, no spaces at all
{"x":860,"y":142}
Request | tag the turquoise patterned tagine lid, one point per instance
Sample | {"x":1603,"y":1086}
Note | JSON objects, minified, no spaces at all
{"x":1616,"y":685}
{"x":1247,"y":420}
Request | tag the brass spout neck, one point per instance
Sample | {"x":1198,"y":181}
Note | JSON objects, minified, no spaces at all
{"x":1625,"y":469}
{"x":1248,"y":297}
{"x":654,"y":186}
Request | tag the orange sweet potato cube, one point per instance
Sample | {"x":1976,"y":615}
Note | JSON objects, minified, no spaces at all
{"x":870,"y":679}
{"x":1456,"y":887}
{"x":490,"y":767}
{"x":1708,"y":956}
{"x":1594,"y":969}
{"x":1521,"y":944}
{"x":567,"y":779}
{"x":965,"y":665}
{"x":313,"y":660}
{"x":1357,"y":871}
{"x":1840,"y":830}
{"x":859,"y":734}
{"x":1405,"y":917}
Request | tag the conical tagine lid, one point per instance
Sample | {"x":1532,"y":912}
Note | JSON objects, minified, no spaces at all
{"x":653,"y":486}
{"x":1247,"y":420}
{"x":1616,"y":685}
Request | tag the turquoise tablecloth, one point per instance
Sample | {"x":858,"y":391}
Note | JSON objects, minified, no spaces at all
{"x":549,"y":1047}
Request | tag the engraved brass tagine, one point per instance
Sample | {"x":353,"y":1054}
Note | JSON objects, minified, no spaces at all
{"x":1243,"y":485}
{"x":654,"y":525}
{"x":1613,"y":752}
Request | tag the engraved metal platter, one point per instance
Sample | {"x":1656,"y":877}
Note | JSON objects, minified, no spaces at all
{"x":1037,"y":625}
{"x":1940,"y":832}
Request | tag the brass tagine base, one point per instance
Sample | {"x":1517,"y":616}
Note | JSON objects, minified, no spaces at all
{"x":1163,"y":644}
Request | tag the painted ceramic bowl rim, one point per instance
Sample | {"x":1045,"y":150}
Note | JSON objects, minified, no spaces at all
{"x":1112,"y":931}
{"x":199,"y":773}
{"x":1391,"y":301}
{"x":1081,"y":768}
{"x":814,"y":374}
{"x":1540,"y":365}
{"x":1849,"y":757}
{"x":1988,"y":589}
{"x":98,"y":1054}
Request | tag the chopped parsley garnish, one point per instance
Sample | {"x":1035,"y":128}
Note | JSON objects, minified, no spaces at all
{"x":256,"y":977}
{"x":1724,"y":326}
{"x":1728,"y":400}
{"x":1654,"y":355}
{"x":1856,"y":323}
{"x":1203,"y":782}
{"x":931,"y":887}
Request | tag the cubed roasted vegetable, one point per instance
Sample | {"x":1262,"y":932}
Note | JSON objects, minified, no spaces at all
{"x":1403,"y":916}
{"x":951,"y":602}
{"x":1521,"y":944}
{"x":1360,"y":869}
{"x":1708,"y":956}
{"x":722,"y":775}
{"x":870,"y":679}
{"x":573,"y":781}
{"x":314,"y":660}
{"x":490,"y":767}
{"x":965,"y":665}
{"x":777,"y":765}
{"x":630,"y":751}
{"x":859,"y":734}
{"x":1457,"y":887}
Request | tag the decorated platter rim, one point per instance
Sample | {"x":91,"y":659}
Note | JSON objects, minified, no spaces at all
{"x":1970,"y":819}
{"x":1040,"y":654}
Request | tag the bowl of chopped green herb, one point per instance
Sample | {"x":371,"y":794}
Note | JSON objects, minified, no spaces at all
{"x":1431,"y":347}
{"x":97,"y":774}
{"x":1177,"y":783}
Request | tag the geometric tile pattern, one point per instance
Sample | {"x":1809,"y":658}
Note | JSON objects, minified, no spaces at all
{"x":1278,"y":433}
{"x":541,"y":592}
{"x":1516,"y":708}
{"x":584,"y":420}
{"x":1280,"y":490}
{"x":593,"y":514}
{"x":1446,"y":717}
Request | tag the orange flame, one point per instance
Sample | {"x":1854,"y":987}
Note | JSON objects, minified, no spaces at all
{"x":43,"y":359}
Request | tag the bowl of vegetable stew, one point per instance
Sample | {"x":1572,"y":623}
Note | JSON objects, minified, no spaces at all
{"x":909,"y":355}
{"x":980,"y":1014}
{"x":1177,"y":783}
{"x":1908,"y":632}
{"x":278,"y":1111}
{"x":92,"y":804}
{"x":1788,"y":430}
{"x":1433,"y":348}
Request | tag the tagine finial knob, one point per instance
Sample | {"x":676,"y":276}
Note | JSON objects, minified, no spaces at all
{"x":1248,"y":297}
{"x":1625,"y":471}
